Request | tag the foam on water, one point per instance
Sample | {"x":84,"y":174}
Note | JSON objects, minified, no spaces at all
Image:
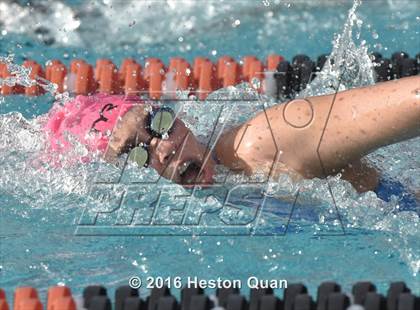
{"x":35,"y":183}
{"x":20,"y":75}
{"x":348,"y":65}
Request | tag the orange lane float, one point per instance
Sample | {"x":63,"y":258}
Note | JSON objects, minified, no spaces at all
{"x":207,"y":81}
{"x":3,"y":301}
{"x":131,"y":77}
{"x":3,"y":305}
{"x":4,"y":73}
{"x":26,"y":298}
{"x":202,"y":77}
{"x":29,"y":304}
{"x":57,"y":294}
{"x":154,"y":72}
{"x":56,"y":72}
{"x":63,"y":303}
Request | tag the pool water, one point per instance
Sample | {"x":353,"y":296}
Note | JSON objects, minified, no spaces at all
{"x":360,"y":237}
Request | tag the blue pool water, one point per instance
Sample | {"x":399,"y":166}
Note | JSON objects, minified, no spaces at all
{"x":40,"y":211}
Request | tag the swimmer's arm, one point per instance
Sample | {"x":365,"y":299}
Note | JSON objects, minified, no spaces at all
{"x":361,"y":121}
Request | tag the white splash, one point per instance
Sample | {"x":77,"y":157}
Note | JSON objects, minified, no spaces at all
{"x":21,"y":75}
{"x":348,"y":65}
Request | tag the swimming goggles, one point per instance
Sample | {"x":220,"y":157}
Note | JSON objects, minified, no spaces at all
{"x":159,"y":124}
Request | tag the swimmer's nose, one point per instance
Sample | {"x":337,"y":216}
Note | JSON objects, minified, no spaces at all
{"x":164,"y":150}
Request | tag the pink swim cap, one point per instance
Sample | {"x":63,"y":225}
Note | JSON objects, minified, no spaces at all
{"x":89,"y":119}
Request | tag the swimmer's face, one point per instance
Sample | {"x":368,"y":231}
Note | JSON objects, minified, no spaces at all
{"x":181,"y":158}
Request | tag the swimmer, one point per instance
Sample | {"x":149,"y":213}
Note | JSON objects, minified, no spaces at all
{"x":360,"y":121}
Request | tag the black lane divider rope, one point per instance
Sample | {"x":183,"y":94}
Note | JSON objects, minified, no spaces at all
{"x":261,"y":296}
{"x":292,"y":77}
